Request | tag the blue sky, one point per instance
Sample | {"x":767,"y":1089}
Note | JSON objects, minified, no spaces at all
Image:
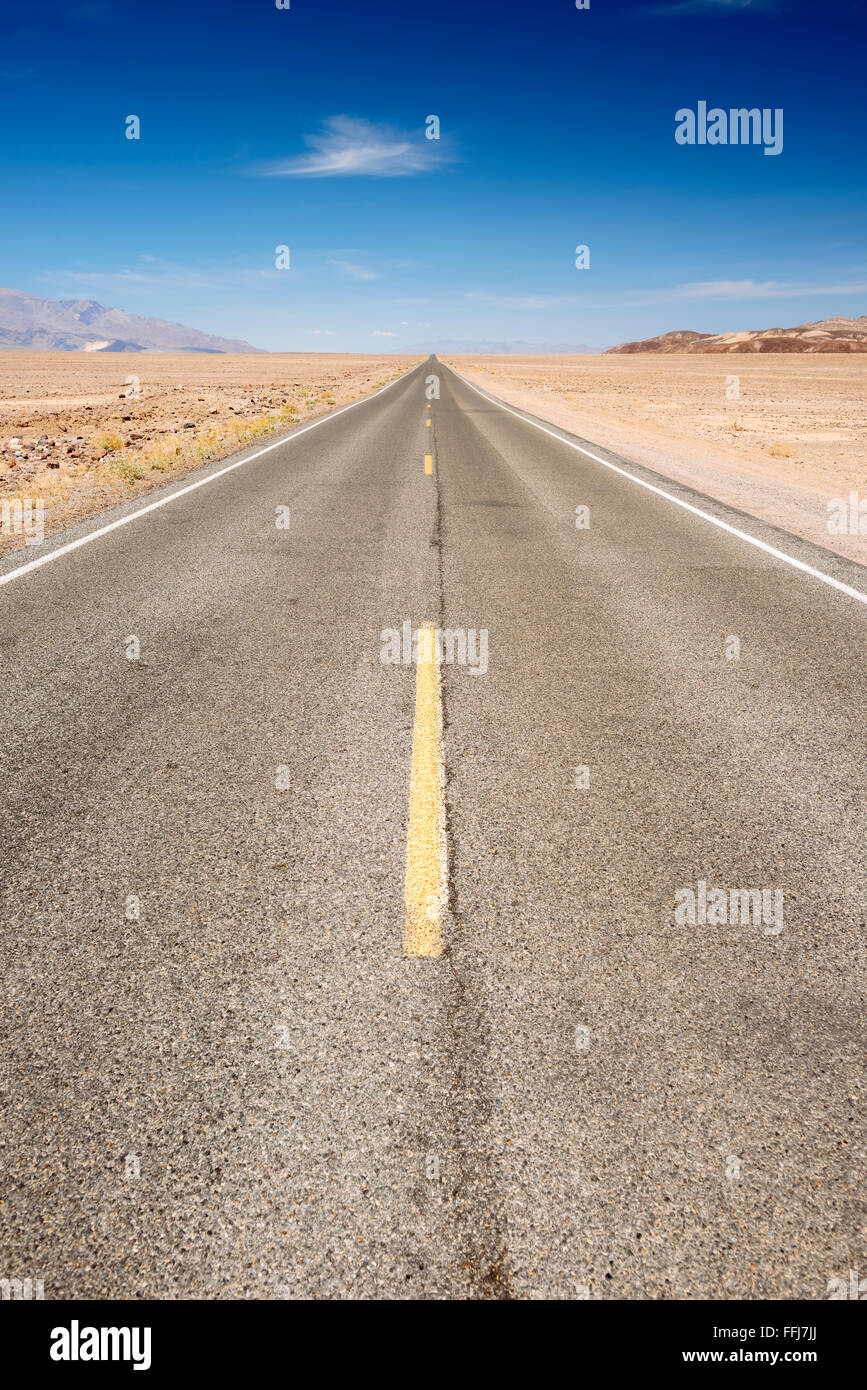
{"x":306,"y":127}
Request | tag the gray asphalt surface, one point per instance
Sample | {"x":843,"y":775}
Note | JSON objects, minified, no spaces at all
{"x":249,"y":1092}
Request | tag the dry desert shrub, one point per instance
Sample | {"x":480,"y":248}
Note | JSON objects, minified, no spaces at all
{"x":109,"y":442}
{"x":158,"y":455}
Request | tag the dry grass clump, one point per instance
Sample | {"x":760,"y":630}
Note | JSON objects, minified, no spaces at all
{"x":160,"y":455}
{"x":109,"y":442}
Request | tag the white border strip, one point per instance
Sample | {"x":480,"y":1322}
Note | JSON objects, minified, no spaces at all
{"x":678,"y":502}
{"x":191,"y":487}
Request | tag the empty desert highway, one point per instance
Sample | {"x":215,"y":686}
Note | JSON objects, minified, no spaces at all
{"x":222,"y":1075}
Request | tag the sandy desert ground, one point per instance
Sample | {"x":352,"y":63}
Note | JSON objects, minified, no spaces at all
{"x":85,"y":431}
{"x":777,"y":435}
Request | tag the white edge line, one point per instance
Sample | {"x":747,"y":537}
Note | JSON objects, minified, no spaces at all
{"x":678,"y":502}
{"x":191,"y":487}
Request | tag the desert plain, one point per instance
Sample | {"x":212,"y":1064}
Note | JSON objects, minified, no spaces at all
{"x":85,"y":431}
{"x":777,"y":435}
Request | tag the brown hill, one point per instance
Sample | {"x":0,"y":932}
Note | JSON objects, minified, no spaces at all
{"x":680,"y":340}
{"x":828,"y":335}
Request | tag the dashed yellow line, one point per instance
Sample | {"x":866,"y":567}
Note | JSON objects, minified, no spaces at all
{"x":428,"y":463}
{"x":425,"y":844}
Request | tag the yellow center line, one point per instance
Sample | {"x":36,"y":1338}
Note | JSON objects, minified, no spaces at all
{"x":425,"y":842}
{"x":428,"y":463}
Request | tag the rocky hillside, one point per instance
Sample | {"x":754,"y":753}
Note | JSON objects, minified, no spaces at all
{"x":828,"y":335}
{"x":82,"y":325}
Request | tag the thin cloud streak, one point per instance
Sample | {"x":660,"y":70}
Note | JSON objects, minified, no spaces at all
{"x":349,"y":146}
{"x":685,"y":7}
{"x":525,"y":301}
{"x":734,"y":290}
{"x":695,"y":290}
{"x":355,"y":272}
{"x":148,"y":271}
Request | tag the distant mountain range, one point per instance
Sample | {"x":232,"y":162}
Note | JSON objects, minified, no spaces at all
{"x":82,"y":325}
{"x":828,"y":335}
{"x":527,"y":349}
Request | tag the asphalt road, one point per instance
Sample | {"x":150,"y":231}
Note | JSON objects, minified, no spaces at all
{"x":239,"y":1086}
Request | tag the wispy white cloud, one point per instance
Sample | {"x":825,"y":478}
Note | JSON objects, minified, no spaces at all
{"x":734,"y":290}
{"x":379,"y":333}
{"x":523,"y":301}
{"x":678,"y":7}
{"x":150,"y":272}
{"x":738,"y":290}
{"x":355,"y":272}
{"x":348,"y":145}
{"x":323,"y":333}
